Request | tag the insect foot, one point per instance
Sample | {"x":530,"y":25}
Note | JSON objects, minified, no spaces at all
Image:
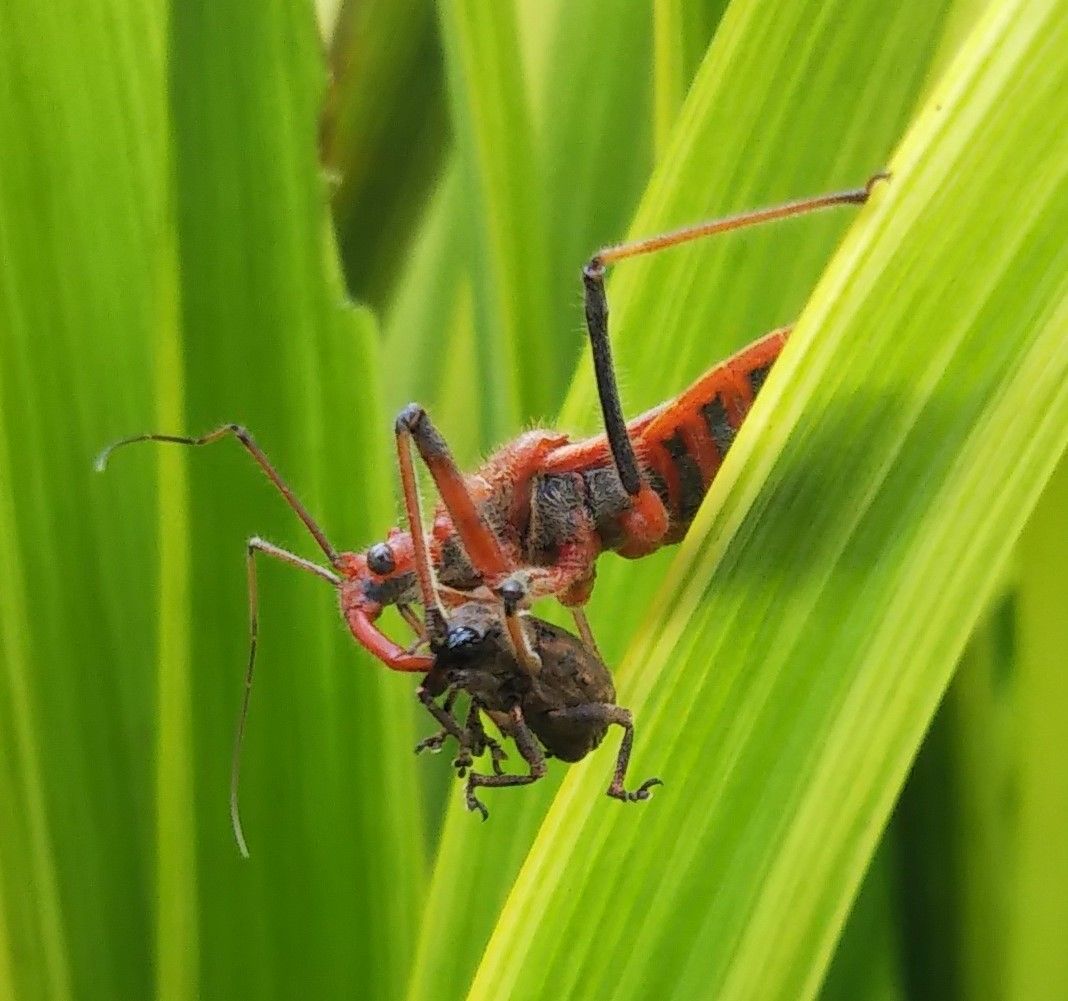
{"x":639,"y":794}
{"x":434,"y":743}
{"x":528,"y":747}
{"x":473,"y":802}
{"x":497,"y":755}
{"x":483,"y":742}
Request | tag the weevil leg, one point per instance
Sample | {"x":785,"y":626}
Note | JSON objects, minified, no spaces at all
{"x":480,"y":743}
{"x":443,"y":714}
{"x":582,"y":624}
{"x":532,"y":754}
{"x":472,"y":737}
{"x":435,"y":742}
{"x":479,"y":540}
{"x":414,"y":622}
{"x":250,"y":446}
{"x":257,"y":545}
{"x":605,"y":714}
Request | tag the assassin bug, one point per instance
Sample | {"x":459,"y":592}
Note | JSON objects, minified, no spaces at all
{"x":533,"y":519}
{"x":565,"y":709}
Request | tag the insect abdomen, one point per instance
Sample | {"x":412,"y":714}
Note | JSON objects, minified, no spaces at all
{"x":685,"y":444}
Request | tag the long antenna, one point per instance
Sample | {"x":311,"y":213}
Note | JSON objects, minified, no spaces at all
{"x":242,"y":435}
{"x":258,"y":545}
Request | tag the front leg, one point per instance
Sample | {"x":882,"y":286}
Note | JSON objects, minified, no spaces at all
{"x":480,"y":542}
{"x":443,"y":714}
{"x":472,"y":738}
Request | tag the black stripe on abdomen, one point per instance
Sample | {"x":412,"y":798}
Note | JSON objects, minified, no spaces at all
{"x":691,"y":486}
{"x":756,"y":377}
{"x":719,"y":428}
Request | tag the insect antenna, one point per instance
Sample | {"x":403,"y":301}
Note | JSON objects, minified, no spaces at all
{"x":258,"y":545}
{"x":250,"y":446}
{"x":255,"y":545}
{"x":246,"y":697}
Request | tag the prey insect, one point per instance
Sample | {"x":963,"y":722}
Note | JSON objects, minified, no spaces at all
{"x":533,"y":519}
{"x":564,"y":710}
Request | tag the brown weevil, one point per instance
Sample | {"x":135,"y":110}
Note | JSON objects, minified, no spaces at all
{"x":561,"y":710}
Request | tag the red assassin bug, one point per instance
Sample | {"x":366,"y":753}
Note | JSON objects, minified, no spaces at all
{"x":533,"y":519}
{"x":565,"y":709}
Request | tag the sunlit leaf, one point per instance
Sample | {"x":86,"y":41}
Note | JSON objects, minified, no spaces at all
{"x":790,"y":666}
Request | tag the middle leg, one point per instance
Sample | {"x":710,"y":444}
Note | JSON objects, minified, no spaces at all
{"x":532,"y":754}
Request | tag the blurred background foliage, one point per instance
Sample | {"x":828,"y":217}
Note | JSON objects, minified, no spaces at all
{"x":300,"y":219}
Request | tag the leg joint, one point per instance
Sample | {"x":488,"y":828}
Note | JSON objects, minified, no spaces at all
{"x":239,"y":431}
{"x":409,"y":419}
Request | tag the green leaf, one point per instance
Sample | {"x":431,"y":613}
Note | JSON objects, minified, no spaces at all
{"x":166,"y":263}
{"x":495,"y":144}
{"x":790,"y":665}
{"x":681,"y":32}
{"x":82,"y":194}
{"x":382,"y":134}
{"x":162,"y":219}
{"x":1035,"y":965}
{"x":269,"y":341}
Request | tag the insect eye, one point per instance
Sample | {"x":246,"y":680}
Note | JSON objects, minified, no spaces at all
{"x":380,"y":559}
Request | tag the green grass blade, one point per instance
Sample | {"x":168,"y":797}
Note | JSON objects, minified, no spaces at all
{"x":27,"y":851}
{"x":954,"y":825}
{"x":269,"y":341}
{"x":82,"y":192}
{"x":867,"y":961}
{"x":492,"y":123}
{"x":1036,"y":965}
{"x":383,"y":134}
{"x":433,"y":284}
{"x":786,"y":673}
{"x":668,"y":82}
{"x":177,"y":901}
{"x":140,"y":281}
{"x":680,"y":36}
{"x":489,"y":859}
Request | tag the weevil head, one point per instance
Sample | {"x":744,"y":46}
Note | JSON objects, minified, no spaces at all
{"x":473,"y":633}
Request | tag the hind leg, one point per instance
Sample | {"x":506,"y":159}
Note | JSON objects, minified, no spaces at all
{"x":603,"y":714}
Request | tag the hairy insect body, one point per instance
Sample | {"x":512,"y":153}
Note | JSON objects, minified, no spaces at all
{"x":555,"y":505}
{"x":680,"y":446}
